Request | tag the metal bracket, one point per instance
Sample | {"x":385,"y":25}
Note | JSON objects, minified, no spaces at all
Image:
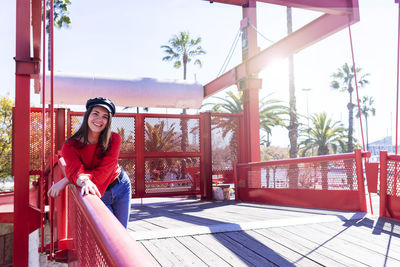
{"x":27,"y":66}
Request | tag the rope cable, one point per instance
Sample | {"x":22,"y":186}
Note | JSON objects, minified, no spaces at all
{"x":397,"y":82}
{"x":269,"y":40}
{"x":359,"y":108}
{"x":230,"y":53}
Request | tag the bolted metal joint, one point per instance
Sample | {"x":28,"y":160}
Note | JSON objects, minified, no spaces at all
{"x":27,"y":66}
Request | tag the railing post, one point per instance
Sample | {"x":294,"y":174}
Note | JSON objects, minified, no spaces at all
{"x":360,"y":180}
{"x":206,"y":174}
{"x":235,"y":179}
{"x":60,"y":128}
{"x":383,"y":184}
{"x":140,"y":162}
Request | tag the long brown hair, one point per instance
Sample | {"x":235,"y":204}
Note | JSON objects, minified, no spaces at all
{"x":83,"y":133}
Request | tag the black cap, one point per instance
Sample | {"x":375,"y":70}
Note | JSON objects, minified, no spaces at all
{"x":101,"y":102}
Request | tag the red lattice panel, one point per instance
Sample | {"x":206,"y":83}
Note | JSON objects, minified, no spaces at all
{"x":172,"y":175}
{"x":87,"y":252}
{"x":225,"y":141}
{"x":393,"y":178}
{"x":332,"y":175}
{"x":129,"y":165}
{"x":36,"y":139}
{"x":125,"y":127}
{"x":172,"y":134}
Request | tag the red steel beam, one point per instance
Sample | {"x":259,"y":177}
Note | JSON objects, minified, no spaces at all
{"x":330,"y":7}
{"x":36,"y":34}
{"x":21,"y":133}
{"x":311,"y":33}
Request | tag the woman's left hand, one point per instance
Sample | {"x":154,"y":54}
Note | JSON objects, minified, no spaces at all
{"x":89,"y":187}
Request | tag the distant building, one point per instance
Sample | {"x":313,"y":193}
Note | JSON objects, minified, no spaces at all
{"x":377,"y":146}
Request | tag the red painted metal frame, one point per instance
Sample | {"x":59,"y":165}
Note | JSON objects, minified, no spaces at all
{"x":117,"y":246}
{"x":389,"y":204}
{"x":327,"y":199}
{"x":311,"y":33}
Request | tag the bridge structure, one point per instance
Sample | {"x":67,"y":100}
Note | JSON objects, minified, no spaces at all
{"x":84,"y":233}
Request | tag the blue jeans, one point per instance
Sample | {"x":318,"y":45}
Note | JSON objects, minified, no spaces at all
{"x":118,"y":199}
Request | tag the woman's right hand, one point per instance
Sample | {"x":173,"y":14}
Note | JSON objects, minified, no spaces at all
{"x":88,"y":187}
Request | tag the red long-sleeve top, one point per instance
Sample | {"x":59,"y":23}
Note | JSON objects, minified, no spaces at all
{"x":85,"y":160}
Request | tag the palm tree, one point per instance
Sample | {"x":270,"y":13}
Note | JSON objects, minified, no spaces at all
{"x":366,"y":108}
{"x":182,"y":49}
{"x":343,"y":81}
{"x":323,"y":135}
{"x":271,"y":111}
{"x":61,"y":19}
{"x":293,"y":123}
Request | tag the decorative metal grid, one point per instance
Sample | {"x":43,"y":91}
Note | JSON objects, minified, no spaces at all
{"x":393,"y":178}
{"x":86,"y":249}
{"x":163,"y":175}
{"x":225,"y":141}
{"x":124,"y":126}
{"x":332,"y":175}
{"x":129,"y":165}
{"x":36,"y":139}
{"x":172,"y":134}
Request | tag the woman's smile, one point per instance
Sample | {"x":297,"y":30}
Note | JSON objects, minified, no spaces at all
{"x":98,"y":119}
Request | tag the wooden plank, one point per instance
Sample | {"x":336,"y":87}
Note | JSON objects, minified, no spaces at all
{"x":273,"y":251}
{"x":384,"y":244}
{"x":210,"y":257}
{"x":228,"y":255}
{"x":173,"y":252}
{"x":334,"y":242}
{"x":157,"y":253}
{"x":242,"y":251}
{"x":308,"y":248}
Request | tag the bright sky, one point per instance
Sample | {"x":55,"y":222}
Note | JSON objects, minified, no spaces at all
{"x":124,"y":39}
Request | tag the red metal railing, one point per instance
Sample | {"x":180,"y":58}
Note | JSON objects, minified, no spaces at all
{"x":88,"y":234}
{"x":389,"y":185}
{"x":329,"y":182}
{"x":99,"y":238}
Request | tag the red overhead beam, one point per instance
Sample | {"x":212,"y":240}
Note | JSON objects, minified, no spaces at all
{"x":330,"y":7}
{"x":311,"y":33}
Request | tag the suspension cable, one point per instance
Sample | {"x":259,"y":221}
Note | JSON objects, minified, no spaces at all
{"x":356,"y":82}
{"x":269,"y":40}
{"x":397,"y":82}
{"x":230,"y":53}
{"x":41,"y":181}
{"x":359,"y":108}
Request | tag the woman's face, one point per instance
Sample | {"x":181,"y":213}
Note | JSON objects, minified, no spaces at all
{"x":98,"y":119}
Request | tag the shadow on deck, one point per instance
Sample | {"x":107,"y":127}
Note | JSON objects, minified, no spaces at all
{"x":182,"y":232}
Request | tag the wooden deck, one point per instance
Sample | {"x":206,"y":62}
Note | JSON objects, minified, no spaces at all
{"x":181,"y":232}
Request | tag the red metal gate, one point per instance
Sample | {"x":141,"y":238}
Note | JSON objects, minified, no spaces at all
{"x":327,"y":182}
{"x":389,"y":185}
{"x":162,"y":154}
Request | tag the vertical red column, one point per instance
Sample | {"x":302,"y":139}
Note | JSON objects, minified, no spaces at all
{"x":383,"y":184}
{"x":360,"y":180}
{"x":206,"y":173}
{"x":251,"y":85}
{"x":21,"y":130}
{"x":139,"y":147}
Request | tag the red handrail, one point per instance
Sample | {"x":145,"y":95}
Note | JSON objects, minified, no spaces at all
{"x":302,"y":160}
{"x":114,"y":242}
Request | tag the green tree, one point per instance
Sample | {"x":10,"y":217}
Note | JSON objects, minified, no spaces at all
{"x":367,"y":109}
{"x":323,"y":135}
{"x":61,"y":19}
{"x":343,"y":81}
{"x":271,"y":111}
{"x":182,"y":49}
{"x":6,"y":105}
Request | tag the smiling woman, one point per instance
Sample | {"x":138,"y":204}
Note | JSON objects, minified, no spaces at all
{"x":91,"y":157}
